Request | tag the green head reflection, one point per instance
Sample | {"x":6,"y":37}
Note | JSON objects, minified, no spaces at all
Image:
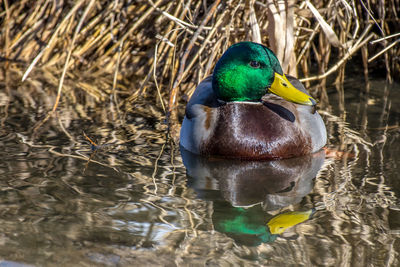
{"x":247,"y":225}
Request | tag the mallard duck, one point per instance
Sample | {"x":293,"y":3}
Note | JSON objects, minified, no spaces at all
{"x":249,"y":109}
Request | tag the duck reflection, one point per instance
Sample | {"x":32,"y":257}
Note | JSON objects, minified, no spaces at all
{"x":242,"y":191}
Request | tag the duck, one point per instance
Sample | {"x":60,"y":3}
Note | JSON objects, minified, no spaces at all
{"x":249,"y":109}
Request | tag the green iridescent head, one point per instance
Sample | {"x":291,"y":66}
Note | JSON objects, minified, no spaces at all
{"x":247,"y":71}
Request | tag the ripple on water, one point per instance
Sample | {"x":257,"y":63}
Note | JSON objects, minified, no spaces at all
{"x":136,"y":203}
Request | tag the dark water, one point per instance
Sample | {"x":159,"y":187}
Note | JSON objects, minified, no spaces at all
{"x":136,"y":204}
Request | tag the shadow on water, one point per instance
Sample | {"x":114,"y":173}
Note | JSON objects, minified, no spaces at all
{"x":137,"y":204}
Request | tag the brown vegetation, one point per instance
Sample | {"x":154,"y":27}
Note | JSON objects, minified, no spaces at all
{"x":164,"y":48}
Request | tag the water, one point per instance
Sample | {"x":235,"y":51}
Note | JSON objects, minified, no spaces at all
{"x":135,"y":203}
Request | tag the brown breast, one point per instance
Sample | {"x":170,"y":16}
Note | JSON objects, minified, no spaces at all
{"x":255,"y":131}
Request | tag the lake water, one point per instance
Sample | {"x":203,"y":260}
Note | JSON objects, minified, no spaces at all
{"x":136,"y":204}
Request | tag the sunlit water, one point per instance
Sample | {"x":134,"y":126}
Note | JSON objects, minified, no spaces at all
{"x":135,"y":203}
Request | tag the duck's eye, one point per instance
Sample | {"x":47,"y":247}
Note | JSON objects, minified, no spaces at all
{"x":254,"y":64}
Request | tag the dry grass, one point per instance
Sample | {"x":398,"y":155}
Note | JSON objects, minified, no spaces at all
{"x":164,"y":48}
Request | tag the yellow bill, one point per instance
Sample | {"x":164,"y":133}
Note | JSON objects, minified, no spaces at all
{"x":279,"y":223}
{"x":283,"y":88}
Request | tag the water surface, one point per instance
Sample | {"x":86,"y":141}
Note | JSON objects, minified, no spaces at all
{"x":136,"y":203}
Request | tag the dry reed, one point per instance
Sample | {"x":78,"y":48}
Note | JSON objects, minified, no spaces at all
{"x":164,"y":48}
